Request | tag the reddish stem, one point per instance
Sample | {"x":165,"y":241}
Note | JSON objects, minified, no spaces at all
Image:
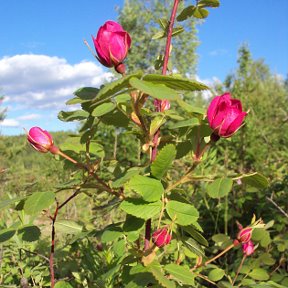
{"x":51,"y":260}
{"x":158,"y":107}
{"x":52,"y":249}
{"x":169,"y":36}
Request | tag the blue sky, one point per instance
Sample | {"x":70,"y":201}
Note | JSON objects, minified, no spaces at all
{"x":43,"y":58}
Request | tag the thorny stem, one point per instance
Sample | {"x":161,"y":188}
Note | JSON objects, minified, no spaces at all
{"x":214,"y":258}
{"x":157,"y":134}
{"x":54,"y":218}
{"x":239,"y":268}
{"x":99,"y":180}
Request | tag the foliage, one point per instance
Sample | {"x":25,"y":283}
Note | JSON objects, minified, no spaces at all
{"x":96,"y":214}
{"x":147,"y":51}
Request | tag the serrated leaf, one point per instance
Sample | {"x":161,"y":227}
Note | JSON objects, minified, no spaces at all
{"x":196,"y":235}
{"x":254,"y":179}
{"x":186,"y":13}
{"x":150,"y":189}
{"x":181,"y":274}
{"x":103,"y":109}
{"x":9,"y":202}
{"x":163,"y":161}
{"x":216,"y":274}
{"x":111,"y":233}
{"x":38,"y":201}
{"x":177,"y":30}
{"x":140,"y":208}
{"x":208,"y":3}
{"x":182,"y":213}
{"x":185,"y":123}
{"x":110,"y":89}
{"x":86,"y":93}
{"x":191,"y":109}
{"x":68,"y":226}
{"x":67,"y":116}
{"x":193,"y":246}
{"x":219,"y":187}
{"x":63,"y":284}
{"x":156,"y":123}
{"x":176,"y":83}
{"x":156,"y":269}
{"x":126,"y":176}
{"x":259,"y":274}
{"x":159,"y":35}
{"x":201,"y":13}
{"x":29,"y":233}
{"x":6,"y":234}
{"x":158,"y":91}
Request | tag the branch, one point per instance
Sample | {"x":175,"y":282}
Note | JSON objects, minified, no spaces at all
{"x":276,"y":205}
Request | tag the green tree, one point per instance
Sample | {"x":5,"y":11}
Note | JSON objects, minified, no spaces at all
{"x":140,"y":18}
{"x":2,"y":111}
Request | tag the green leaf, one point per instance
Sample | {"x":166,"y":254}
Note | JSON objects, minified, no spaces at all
{"x":150,"y":189}
{"x":186,"y":13}
{"x":181,"y":274}
{"x":196,"y":235}
{"x":103,"y":109}
{"x":163,"y":161}
{"x":125,"y":177}
{"x":208,"y":3}
{"x":158,"y":91}
{"x":216,"y":274}
{"x":111,"y":233}
{"x":86,"y":93}
{"x":176,"y":83}
{"x":191,"y":109}
{"x":259,"y":274}
{"x":156,"y":123}
{"x":82,"y":95}
{"x":133,"y":223}
{"x":183,"y":213}
{"x":38,"y":201}
{"x":185,"y":123}
{"x":9,"y":202}
{"x":6,"y":234}
{"x":156,"y":269}
{"x":115,"y":118}
{"x":29,"y":233}
{"x":68,"y":226}
{"x":77,"y":115}
{"x":63,"y":284}
{"x":254,"y":179}
{"x":140,"y":208}
{"x":193,"y":246}
{"x":114,"y":87}
{"x":219,"y":187}
{"x":201,"y":13}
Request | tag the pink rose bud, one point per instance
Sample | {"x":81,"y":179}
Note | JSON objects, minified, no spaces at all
{"x":161,"y":105}
{"x":245,"y":235}
{"x":41,"y":140}
{"x":225,"y":115}
{"x":161,"y":237}
{"x":112,"y":44}
{"x":248,"y":248}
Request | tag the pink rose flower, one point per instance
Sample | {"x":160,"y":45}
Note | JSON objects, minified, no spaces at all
{"x":225,"y":115}
{"x":112,"y":44}
{"x":161,"y":237}
{"x":41,"y":140}
{"x":245,"y":235}
{"x":248,"y":248}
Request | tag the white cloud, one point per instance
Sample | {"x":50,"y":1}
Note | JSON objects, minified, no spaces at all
{"x":218,"y":52}
{"x":10,"y":123}
{"x":45,"y":82}
{"x":29,"y":117}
